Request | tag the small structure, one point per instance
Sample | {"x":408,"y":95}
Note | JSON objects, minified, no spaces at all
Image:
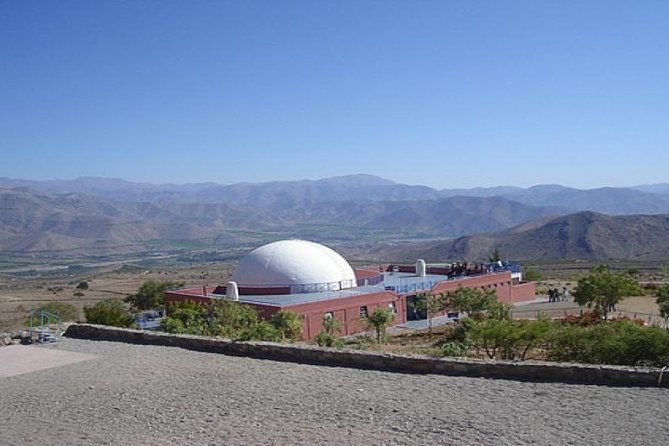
{"x":316,"y":282}
{"x":48,"y":330}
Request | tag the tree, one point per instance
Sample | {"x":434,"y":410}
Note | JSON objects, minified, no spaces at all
{"x":473,"y":301}
{"x":499,"y":310}
{"x":603,"y":289}
{"x":434,"y":303}
{"x":83,"y":285}
{"x":288,"y":324}
{"x":532,"y":275}
{"x":233,"y":320}
{"x":109,"y":312}
{"x":496,"y":337}
{"x":151,"y":295}
{"x":495,"y":256}
{"x":379,"y":321}
{"x":662,"y":295}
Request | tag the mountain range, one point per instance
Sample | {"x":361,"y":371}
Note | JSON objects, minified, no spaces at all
{"x":361,"y":187}
{"x":119,"y":216}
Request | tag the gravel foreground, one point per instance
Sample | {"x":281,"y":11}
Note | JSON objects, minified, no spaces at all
{"x":141,"y":395}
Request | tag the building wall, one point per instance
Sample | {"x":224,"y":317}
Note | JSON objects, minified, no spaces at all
{"x":523,"y":292}
{"x":501,"y":282}
{"x":347,"y":312}
{"x":184,"y":295}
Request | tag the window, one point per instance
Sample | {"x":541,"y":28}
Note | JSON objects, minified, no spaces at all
{"x":392,"y":307}
{"x":327,"y":316}
{"x":363,"y":311}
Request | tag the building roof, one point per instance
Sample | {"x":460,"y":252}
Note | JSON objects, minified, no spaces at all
{"x":301,"y":265}
{"x":304,"y":298}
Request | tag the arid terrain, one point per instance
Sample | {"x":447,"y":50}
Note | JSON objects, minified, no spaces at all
{"x":20,"y":294}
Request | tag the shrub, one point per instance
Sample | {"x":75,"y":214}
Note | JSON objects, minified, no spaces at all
{"x":324,"y":339}
{"x":586,"y":319}
{"x":507,"y":339}
{"x":453,"y":348}
{"x":224,"y":318}
{"x":662,"y":295}
{"x":186,"y":317}
{"x":66,"y":312}
{"x":109,"y":312}
{"x":288,"y":324}
{"x":458,"y":331}
{"x":264,"y":331}
{"x":329,"y":336}
{"x":619,"y":342}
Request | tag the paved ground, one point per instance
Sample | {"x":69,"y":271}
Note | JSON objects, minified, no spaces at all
{"x":20,"y":359}
{"x":131,"y":394}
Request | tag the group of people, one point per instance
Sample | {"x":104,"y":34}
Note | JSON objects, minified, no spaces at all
{"x":554,"y":295}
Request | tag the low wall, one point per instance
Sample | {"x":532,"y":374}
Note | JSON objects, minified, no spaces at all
{"x":523,"y":292}
{"x":522,"y":371}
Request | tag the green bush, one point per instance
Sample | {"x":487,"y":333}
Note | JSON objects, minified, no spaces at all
{"x":508,"y":339}
{"x":227,"y":319}
{"x":620,"y":342}
{"x":288,"y":324}
{"x":151,"y":294}
{"x":66,"y":312}
{"x":454,"y":348}
{"x":186,"y":317}
{"x":324,"y":339}
{"x":585,"y":339}
{"x":109,"y":312}
{"x":264,"y":331}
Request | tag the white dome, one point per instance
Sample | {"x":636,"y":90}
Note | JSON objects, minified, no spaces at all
{"x":303,"y":266}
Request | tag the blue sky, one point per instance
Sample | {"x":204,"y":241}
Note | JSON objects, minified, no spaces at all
{"x":443,"y":93}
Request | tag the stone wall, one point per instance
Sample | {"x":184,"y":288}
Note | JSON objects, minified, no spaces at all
{"x":522,"y":371}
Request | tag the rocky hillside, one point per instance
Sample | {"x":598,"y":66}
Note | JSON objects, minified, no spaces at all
{"x":584,"y":235}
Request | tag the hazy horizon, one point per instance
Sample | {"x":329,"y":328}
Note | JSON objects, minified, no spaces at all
{"x":83,"y":177}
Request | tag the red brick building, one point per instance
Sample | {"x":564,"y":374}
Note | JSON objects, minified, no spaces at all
{"x":316,"y":282}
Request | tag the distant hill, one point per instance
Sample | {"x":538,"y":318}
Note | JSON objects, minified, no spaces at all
{"x":278,"y":195}
{"x":609,"y":200}
{"x":31,"y":221}
{"x":661,"y":188}
{"x":584,"y":235}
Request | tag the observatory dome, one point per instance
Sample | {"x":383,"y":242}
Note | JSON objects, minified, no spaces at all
{"x":304,"y":267}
